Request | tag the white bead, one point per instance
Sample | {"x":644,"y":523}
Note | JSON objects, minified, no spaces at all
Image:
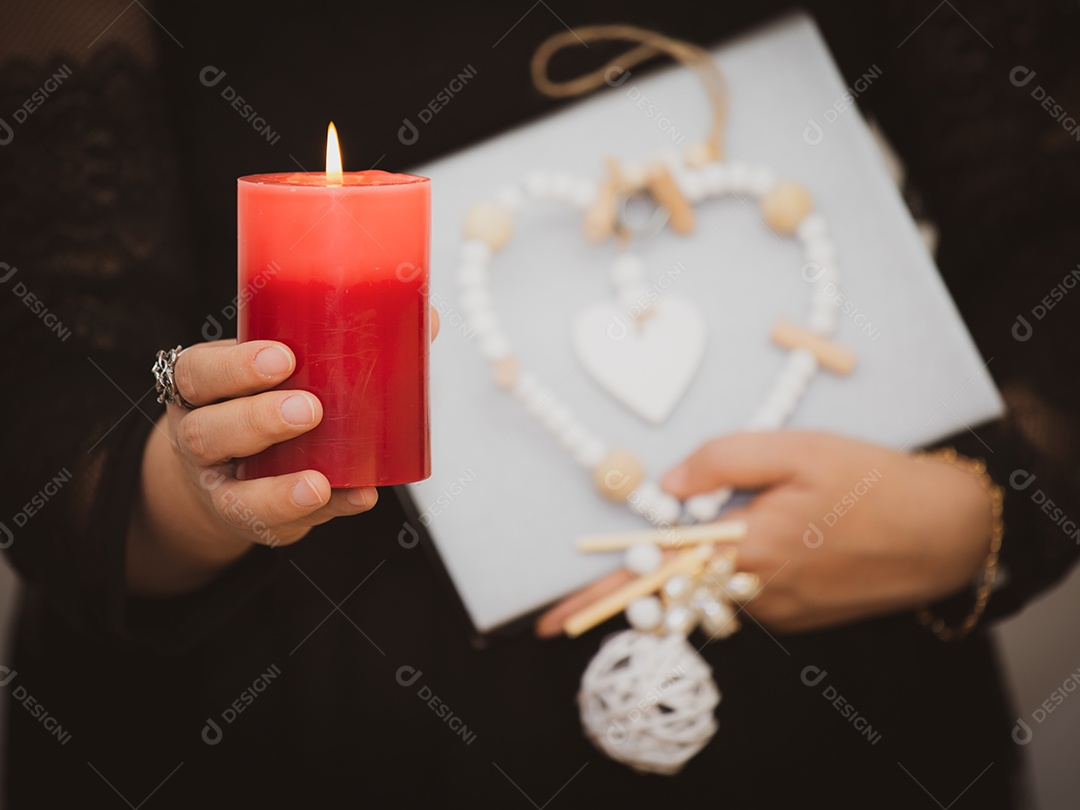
{"x":638,"y":504}
{"x":828,"y":280}
{"x":821,"y":259}
{"x":762,"y":181}
{"x":591,"y":452}
{"x":556,"y":427}
{"x":494,"y":345}
{"x":714,"y":179}
{"x":678,"y":587}
{"x":811,"y":228}
{"x":648,"y":492}
{"x":538,"y":185}
{"x":781,"y":404}
{"x":526,"y":382}
{"x":573,"y":436}
{"x":804,"y":360}
{"x":692,"y":185}
{"x":785,"y":398}
{"x":821,"y":250}
{"x":668,"y":509}
{"x":721,"y":566}
{"x":825,"y":299}
{"x":562,"y":185}
{"x":627,"y":269}
{"x":540,"y":396}
{"x":534,"y":389}
{"x":475,"y":300}
{"x":582,"y":193}
{"x":522,"y":395}
{"x":797,"y":391}
{"x":823,"y":321}
{"x":701,"y":597}
{"x":702,"y":508}
{"x":645,"y":613}
{"x":560,"y":414}
{"x":718,"y":620}
{"x":706,"y":506}
{"x":557,"y":417}
{"x":792,"y":381}
{"x":789,"y":393}
{"x":483,"y":322}
{"x":679,"y":620}
{"x":819,"y":302}
{"x":510,"y":198}
{"x":738,"y":178}
{"x":767,"y":418}
{"x":643,"y":558}
{"x":634,"y":299}
{"x":742,"y":586}
{"x":472,"y":275}
{"x":474,"y":251}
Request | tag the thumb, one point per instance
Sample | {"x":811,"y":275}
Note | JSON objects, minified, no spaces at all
{"x":742,"y":460}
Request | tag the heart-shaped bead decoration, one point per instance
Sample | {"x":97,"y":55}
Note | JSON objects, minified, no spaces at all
{"x":645,"y":348}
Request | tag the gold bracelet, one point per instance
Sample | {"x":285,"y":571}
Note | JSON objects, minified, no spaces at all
{"x":926,"y":618}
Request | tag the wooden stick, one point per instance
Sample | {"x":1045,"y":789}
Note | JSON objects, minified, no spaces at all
{"x":830,"y":355}
{"x":601,"y":218}
{"x":724,"y":530}
{"x":668,"y":195}
{"x":686,"y":562}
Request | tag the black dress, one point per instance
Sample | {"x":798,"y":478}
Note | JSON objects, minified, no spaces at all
{"x":335,"y":671}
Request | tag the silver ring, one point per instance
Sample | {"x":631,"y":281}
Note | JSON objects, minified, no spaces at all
{"x":164,"y":369}
{"x":655,"y":222}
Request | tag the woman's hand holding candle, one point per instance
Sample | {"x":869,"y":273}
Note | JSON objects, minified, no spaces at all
{"x":194,"y":517}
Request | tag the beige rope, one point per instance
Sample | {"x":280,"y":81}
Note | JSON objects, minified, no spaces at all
{"x":650,"y":44}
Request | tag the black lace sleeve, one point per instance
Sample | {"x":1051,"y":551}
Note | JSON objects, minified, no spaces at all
{"x":998,"y":171}
{"x":94,"y":279}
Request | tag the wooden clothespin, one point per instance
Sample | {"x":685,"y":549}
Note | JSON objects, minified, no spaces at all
{"x":667,"y":194}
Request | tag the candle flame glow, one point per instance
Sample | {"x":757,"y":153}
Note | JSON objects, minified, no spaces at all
{"x":333,"y":157}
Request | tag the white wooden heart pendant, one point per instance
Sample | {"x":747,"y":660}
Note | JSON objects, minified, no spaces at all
{"x":648,"y":362}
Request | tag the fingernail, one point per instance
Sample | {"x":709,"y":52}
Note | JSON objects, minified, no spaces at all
{"x":298,"y":410}
{"x":545,"y":629}
{"x":272,"y":361}
{"x":364,"y":497}
{"x":675,"y":478}
{"x":304,"y":494}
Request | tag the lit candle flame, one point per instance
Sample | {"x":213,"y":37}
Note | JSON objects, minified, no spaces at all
{"x":333,"y":157}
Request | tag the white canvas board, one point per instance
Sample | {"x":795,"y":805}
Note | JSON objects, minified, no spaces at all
{"x":505,"y":503}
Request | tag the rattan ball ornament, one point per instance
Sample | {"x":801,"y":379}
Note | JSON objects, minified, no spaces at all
{"x":649,"y":701}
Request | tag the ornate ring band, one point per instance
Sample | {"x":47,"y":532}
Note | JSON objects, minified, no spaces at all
{"x":164,"y":370}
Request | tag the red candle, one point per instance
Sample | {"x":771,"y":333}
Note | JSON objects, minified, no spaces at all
{"x":335,"y":266}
